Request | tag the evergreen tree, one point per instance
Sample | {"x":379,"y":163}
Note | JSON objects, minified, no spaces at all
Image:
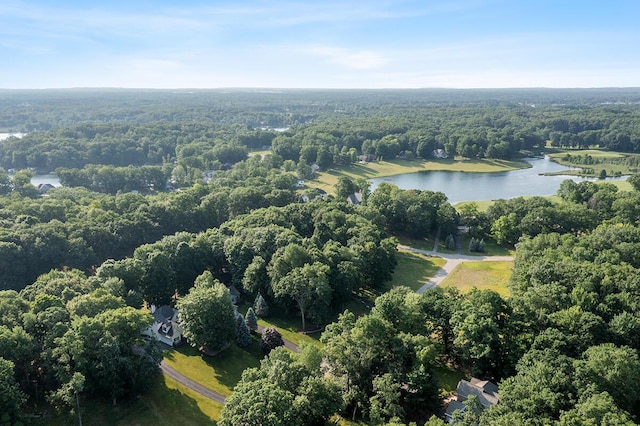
{"x":260,"y":306}
{"x":244,"y":335}
{"x":251,"y":320}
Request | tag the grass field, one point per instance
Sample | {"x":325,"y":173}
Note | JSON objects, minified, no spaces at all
{"x":219,"y":373}
{"x":415,"y":269}
{"x":483,"y":275}
{"x":168,"y":403}
{"x":327,"y":180}
{"x":612,"y":167}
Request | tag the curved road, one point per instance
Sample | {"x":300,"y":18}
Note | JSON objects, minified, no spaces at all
{"x":194,"y":386}
{"x":453,"y":260}
{"x":203,"y":390}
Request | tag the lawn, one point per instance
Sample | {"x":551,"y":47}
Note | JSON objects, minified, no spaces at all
{"x":491,"y":248}
{"x":168,"y":403}
{"x":492,"y":275}
{"x":288,"y":325}
{"x":326,"y":180}
{"x":448,"y":379}
{"x":415,"y":269}
{"x":610,"y":161}
{"x":219,"y":373}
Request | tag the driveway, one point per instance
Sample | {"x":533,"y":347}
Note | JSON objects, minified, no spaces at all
{"x":453,"y":260}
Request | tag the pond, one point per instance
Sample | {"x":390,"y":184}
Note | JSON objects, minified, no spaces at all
{"x":468,"y":186}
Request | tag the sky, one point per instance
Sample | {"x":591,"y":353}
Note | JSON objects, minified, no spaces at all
{"x":319,"y":44}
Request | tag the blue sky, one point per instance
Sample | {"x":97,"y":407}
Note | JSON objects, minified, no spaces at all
{"x":320,"y":44}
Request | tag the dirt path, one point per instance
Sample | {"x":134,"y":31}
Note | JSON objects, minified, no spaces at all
{"x":453,"y":260}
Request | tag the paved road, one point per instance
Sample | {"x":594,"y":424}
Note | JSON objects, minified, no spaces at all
{"x":203,"y":390}
{"x":453,"y":260}
{"x":194,"y":386}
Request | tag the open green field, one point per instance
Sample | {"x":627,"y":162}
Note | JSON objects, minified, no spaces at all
{"x":612,"y":162}
{"x":168,"y":403}
{"x":415,"y":269}
{"x":327,"y":180}
{"x":483,"y":275}
{"x":491,"y":248}
{"x":219,"y":373}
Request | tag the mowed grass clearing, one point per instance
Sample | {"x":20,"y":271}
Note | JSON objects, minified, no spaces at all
{"x":167,"y":403}
{"x":491,"y":275}
{"x":415,"y":269}
{"x":219,"y":373}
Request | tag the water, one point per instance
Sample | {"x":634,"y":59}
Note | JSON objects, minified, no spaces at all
{"x":467,"y":186}
{"x":50,"y":178}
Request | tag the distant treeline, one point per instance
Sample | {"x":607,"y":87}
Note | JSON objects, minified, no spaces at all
{"x":206,"y":130}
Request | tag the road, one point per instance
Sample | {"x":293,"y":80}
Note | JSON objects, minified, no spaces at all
{"x":453,"y":260}
{"x":203,"y":390}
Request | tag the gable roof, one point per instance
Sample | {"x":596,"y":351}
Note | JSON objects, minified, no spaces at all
{"x":164,"y":313}
{"x":485,"y":391}
{"x":355,"y":198}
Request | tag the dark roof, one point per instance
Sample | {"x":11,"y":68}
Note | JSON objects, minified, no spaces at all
{"x":163,"y":313}
{"x":452,"y":407}
{"x":485,"y":391}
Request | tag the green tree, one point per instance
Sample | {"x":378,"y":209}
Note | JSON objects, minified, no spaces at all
{"x":207,"y":315}
{"x":308,"y":286}
{"x":244,"y":335}
{"x":613,"y":370}
{"x":12,"y":399}
{"x":260,"y":306}
{"x":252,"y":320}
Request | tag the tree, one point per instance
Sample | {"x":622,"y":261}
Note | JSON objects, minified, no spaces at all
{"x":244,"y":335}
{"x":67,"y":395}
{"x":271,"y":339}
{"x":634,"y":180}
{"x":614,"y":370}
{"x":252,"y":320}
{"x":260,"y":306}
{"x":11,"y":398}
{"x":308,"y":286}
{"x":480,"y":326}
{"x":207,"y":315}
{"x":345,"y":187}
{"x":596,"y":409}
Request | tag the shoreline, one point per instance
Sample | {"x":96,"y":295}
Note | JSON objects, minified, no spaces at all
{"x":327,"y":179}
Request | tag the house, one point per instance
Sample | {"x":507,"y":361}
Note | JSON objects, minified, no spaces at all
{"x":355,"y":198}
{"x":366,"y":158}
{"x":43,"y":188}
{"x":166,"y":325}
{"x":440,"y":153}
{"x":315,"y":168}
{"x":235,"y":295}
{"x":486,"y":394}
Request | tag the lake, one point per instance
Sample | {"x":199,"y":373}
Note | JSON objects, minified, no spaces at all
{"x":468,"y":186}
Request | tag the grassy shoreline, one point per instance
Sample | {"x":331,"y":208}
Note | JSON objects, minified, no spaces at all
{"x":327,"y":179}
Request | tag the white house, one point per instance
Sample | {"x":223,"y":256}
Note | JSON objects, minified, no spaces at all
{"x":166,"y":326}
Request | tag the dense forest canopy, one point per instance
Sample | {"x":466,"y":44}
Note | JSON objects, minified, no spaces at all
{"x":164,"y":201}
